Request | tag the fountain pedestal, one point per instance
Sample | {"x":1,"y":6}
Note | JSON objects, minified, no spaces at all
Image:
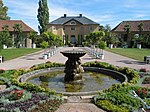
{"x":73,"y":68}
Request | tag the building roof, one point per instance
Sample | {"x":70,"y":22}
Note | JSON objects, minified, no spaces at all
{"x":133,"y":24}
{"x":64,"y":19}
{"x":11,"y":23}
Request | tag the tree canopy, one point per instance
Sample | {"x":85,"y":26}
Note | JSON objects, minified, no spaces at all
{"x":95,"y":37}
{"x":3,"y":11}
{"x":43,"y":16}
{"x":18,"y":34}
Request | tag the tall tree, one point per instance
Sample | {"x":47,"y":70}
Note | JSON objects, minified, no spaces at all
{"x":18,"y":34}
{"x":5,"y":36}
{"x":3,"y":11}
{"x":33,"y":36}
{"x":140,"y":28}
{"x":127,"y":28}
{"x":43,"y":16}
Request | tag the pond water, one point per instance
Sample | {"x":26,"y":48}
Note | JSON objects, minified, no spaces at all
{"x":92,"y":81}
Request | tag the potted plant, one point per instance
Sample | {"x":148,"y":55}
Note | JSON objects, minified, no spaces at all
{"x":44,"y":45}
{"x":102,"y":46}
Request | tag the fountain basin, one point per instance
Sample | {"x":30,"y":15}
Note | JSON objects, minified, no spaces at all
{"x":116,"y":75}
{"x":73,"y":53}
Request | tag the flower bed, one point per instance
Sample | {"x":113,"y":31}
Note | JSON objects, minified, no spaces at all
{"x":119,"y":98}
{"x":16,"y":99}
{"x":146,"y":80}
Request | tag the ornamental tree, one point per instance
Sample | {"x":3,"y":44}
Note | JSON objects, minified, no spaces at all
{"x":3,"y":11}
{"x":18,"y":34}
{"x":43,"y":16}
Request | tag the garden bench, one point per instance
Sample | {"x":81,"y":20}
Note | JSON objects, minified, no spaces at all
{"x":1,"y":59}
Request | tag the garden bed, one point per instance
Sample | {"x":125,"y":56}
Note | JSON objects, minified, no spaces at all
{"x":16,"y":99}
{"x":146,"y":82}
{"x":119,"y":98}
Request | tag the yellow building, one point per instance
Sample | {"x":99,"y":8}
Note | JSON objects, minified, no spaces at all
{"x":72,"y":29}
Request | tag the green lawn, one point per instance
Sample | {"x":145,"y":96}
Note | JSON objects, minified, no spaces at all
{"x":134,"y":53}
{"x":17,"y":52}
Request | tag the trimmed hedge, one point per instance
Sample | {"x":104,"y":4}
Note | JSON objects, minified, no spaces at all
{"x":132,"y":75}
{"x":29,"y":86}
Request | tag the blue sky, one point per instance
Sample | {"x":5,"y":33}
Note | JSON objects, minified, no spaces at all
{"x":104,"y":12}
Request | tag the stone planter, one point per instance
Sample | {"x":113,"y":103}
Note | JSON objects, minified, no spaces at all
{"x":139,"y":46}
{"x":4,"y":46}
{"x":33,"y":45}
{"x":110,"y":46}
{"x":45,"y":56}
{"x":49,"y":54}
{"x":102,"y":56}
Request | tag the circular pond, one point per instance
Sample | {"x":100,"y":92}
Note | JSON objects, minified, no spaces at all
{"x":94,"y":79}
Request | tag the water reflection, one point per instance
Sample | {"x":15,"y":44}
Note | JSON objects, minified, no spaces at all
{"x":92,"y":81}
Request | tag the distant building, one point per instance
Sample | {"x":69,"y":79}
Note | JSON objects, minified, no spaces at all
{"x":72,"y":29}
{"x":25,"y":30}
{"x":119,"y":29}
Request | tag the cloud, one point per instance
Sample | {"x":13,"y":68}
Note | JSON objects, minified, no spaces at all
{"x":101,"y":11}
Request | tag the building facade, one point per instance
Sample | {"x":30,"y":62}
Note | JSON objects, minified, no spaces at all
{"x":72,"y":29}
{"x":25,"y":31}
{"x":133,"y":30}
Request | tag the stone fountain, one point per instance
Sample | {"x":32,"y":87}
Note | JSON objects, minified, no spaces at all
{"x":73,"y":68}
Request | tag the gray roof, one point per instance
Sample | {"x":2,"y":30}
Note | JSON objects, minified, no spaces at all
{"x":82,"y":20}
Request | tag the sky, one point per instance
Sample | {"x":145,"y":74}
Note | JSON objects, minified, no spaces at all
{"x":110,"y":12}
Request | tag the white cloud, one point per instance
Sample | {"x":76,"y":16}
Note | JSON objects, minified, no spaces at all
{"x":101,"y":11}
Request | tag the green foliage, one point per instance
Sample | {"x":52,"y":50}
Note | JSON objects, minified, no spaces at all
{"x":5,"y":38}
{"x":107,"y":105}
{"x":30,"y":101}
{"x":18,"y":34}
{"x":5,"y":81}
{"x":29,"y":86}
{"x":43,"y":16}
{"x":102,"y":45}
{"x":132,"y":75}
{"x":3,"y":11}
{"x":133,"y":53}
{"x":44,"y":44}
{"x":17,"y":52}
{"x":33,"y":36}
{"x":120,"y":96}
{"x":94,"y":37}
{"x":52,"y":39}
{"x":46,"y":65}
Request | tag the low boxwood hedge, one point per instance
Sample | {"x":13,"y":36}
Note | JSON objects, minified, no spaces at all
{"x":132,"y":75}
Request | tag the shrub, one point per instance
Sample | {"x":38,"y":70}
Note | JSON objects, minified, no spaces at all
{"x":109,"y":106}
{"x":121,"y":96}
{"x":132,"y":75}
{"x":143,"y":70}
{"x":2,"y":70}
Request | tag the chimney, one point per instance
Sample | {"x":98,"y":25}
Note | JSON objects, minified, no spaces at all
{"x":80,"y":15}
{"x":65,"y":15}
